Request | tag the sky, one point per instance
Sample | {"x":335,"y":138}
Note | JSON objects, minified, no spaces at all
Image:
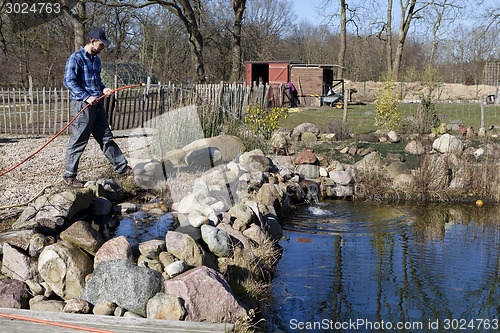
{"x":307,"y":9}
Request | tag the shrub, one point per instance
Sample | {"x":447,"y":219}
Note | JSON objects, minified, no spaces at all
{"x":264,"y":121}
{"x":388,"y":115}
{"x":339,"y":128}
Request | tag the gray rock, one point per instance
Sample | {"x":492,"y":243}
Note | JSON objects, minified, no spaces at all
{"x":204,"y":157}
{"x":64,"y":267}
{"x":274,"y":228}
{"x":308,"y":137}
{"x":371,"y":137}
{"x":35,"y":287}
{"x":396,"y":168}
{"x":341,"y":177}
{"x":229,"y":146}
{"x":83,"y":236}
{"x":242,"y":212}
{"x":123,"y":283}
{"x":216,"y":239}
{"x":184,"y":247}
{"x":236,"y":238}
{"x":308,"y":171}
{"x":197,"y":219}
{"x":76,"y":305}
{"x":38,"y":242}
{"x":152,"y":249}
{"x":165,"y":306}
{"x":48,"y":305}
{"x":242,"y":159}
{"x":150,"y":263}
{"x":393,"y":136}
{"x":113,"y":190}
{"x":64,"y":204}
{"x":415,"y":147}
{"x":125,"y":208}
{"x":115,"y":248}
{"x":20,"y":238}
{"x":17,"y":265}
{"x":371,"y":161}
{"x":13,"y":294}
{"x":206,"y":295}
{"x":448,"y":144}
{"x":176,"y":268}
{"x":304,"y":127}
{"x":105,"y":308}
{"x":50,"y":225}
{"x":258,"y":163}
{"x":102,"y":206}
{"x":166,"y":258}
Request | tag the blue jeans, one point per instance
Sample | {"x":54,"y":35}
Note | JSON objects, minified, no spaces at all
{"x":91,"y":121}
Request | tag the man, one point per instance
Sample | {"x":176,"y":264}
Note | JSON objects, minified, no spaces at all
{"x":83,"y":79}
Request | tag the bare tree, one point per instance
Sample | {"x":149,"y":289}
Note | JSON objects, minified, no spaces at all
{"x":189,"y":12}
{"x":239,"y":9}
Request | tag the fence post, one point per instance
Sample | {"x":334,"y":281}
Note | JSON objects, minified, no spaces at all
{"x":346,"y":102}
{"x":481,"y":101}
{"x":30,"y":96}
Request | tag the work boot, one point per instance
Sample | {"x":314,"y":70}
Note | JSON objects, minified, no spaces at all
{"x":73,"y":182}
{"x":126,"y":172}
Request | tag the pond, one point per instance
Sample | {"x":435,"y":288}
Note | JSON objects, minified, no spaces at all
{"x":355,"y":267}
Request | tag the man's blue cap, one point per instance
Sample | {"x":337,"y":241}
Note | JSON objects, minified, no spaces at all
{"x":98,"y":33}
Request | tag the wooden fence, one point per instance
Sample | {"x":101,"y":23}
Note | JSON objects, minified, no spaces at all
{"x":46,"y":111}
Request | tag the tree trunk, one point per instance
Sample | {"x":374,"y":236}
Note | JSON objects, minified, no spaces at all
{"x":388,"y":40}
{"x":79,"y":24}
{"x":343,"y":38}
{"x":239,"y":9}
{"x":403,"y":31}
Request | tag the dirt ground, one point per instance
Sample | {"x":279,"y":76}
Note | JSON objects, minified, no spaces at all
{"x":367,"y":91}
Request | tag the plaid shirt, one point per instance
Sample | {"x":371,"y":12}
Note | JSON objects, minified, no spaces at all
{"x":83,"y":75}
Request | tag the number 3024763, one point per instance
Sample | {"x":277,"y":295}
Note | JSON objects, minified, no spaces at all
{"x":32,"y":8}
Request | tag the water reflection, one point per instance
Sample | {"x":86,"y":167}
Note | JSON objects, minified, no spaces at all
{"x":140,"y":227}
{"x":411,"y":264}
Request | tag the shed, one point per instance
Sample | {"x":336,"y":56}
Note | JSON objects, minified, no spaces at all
{"x":311,"y":81}
{"x":127,"y":73}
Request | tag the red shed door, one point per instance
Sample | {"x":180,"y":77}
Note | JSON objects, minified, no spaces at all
{"x":278,"y":73}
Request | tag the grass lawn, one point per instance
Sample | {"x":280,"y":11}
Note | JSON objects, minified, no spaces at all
{"x":361,"y":118}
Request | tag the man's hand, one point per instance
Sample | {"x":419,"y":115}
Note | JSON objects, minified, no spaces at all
{"x":107,"y":92}
{"x":91,"y":100}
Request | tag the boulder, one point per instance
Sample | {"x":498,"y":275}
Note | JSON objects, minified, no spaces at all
{"x":415,"y":147}
{"x":115,"y":248}
{"x":308,"y":171}
{"x":396,"y":168}
{"x":308,"y":137}
{"x":17,"y":265}
{"x":306,"y":157}
{"x":371,"y":161}
{"x":165,"y":306}
{"x":76,"y":305}
{"x":302,"y":128}
{"x":64,"y":267}
{"x":152,"y":249}
{"x":48,"y":305}
{"x":242,"y":212}
{"x":216,"y":239}
{"x":229,"y":146}
{"x":13,"y":294}
{"x":236,"y":238}
{"x":258,"y":163}
{"x":123,"y":283}
{"x":102,"y":206}
{"x":370,"y":137}
{"x":176,"y":268}
{"x":206,"y":295}
{"x":105,"y":308}
{"x":50,"y":225}
{"x":341,"y":177}
{"x":83,"y":236}
{"x":448,"y":144}
{"x":64,"y":204}
{"x":255,"y":233}
{"x":204,"y":157}
{"x":20,"y":238}
{"x":393,"y":136}
{"x":38,"y":242}
{"x":184,"y":247}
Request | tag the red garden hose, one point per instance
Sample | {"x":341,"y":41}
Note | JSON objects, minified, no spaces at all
{"x":67,"y":125}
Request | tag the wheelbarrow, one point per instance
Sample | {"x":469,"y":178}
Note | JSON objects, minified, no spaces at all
{"x":334,"y":100}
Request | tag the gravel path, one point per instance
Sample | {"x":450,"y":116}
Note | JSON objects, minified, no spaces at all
{"x":46,"y":167}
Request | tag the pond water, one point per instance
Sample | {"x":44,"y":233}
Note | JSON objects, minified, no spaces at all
{"x":141,"y":227}
{"x":354,"y":267}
